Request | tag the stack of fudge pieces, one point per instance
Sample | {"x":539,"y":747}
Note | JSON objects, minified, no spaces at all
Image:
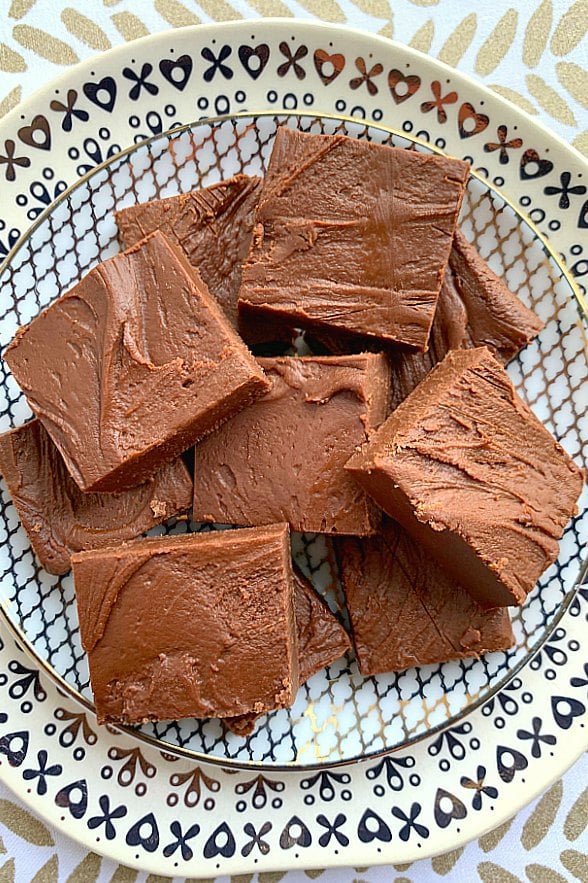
{"x":402,"y":438}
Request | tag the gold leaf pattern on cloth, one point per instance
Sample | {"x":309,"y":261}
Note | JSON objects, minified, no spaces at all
{"x":271,"y":877}
{"x":387,"y":30}
{"x":377,"y":8}
{"x":49,"y":873}
{"x":2,"y":847}
{"x":498,"y":43}
{"x":18,"y":8}
{"x":423,"y":38}
{"x":124,"y":875}
{"x":458,"y":43}
{"x":328,"y":10}
{"x":550,"y":100}
{"x":574,"y":79}
{"x":541,"y":874}
{"x":43,"y":44}
{"x":87,"y":871}
{"x":11,"y":61}
{"x":25,"y":825}
{"x":490,"y":841}
{"x":271,"y":7}
{"x":110,"y":2}
{"x":577,"y":817}
{"x":425,"y":2}
{"x":176,"y":13}
{"x":491,"y":873}
{"x":129,"y":25}
{"x":515,"y":97}
{"x":542,"y":817}
{"x":85,"y":30}
{"x":442,"y":864}
{"x":219,"y":10}
{"x":313,"y":874}
{"x":580,"y":142}
{"x":403,"y":866}
{"x":576,"y":863}
{"x":155,"y":878}
{"x":11,"y":100}
{"x":537,"y":33}
{"x":571,"y":28}
{"x":7,"y":872}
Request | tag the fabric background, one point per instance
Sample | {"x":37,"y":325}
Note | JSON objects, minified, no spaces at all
{"x":533,"y":52}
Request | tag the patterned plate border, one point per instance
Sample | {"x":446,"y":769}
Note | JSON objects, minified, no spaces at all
{"x":451,"y":787}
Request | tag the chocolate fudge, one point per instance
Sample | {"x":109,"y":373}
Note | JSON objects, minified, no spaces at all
{"x":321,"y":640}
{"x":405,"y":611}
{"x":60,"y":520}
{"x":199,"y":626}
{"x":470,"y":472}
{"x":352,"y":236}
{"x":213,"y":226}
{"x":282,"y":459}
{"x":132,"y":366}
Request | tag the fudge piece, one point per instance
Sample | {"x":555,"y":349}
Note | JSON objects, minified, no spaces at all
{"x":200,"y":625}
{"x":132,"y":366}
{"x":282,"y":458}
{"x":321,"y":640}
{"x":475,"y":308}
{"x":466,"y":467}
{"x":213,"y":226}
{"x":405,"y":611}
{"x":352,"y":235}
{"x":60,"y":520}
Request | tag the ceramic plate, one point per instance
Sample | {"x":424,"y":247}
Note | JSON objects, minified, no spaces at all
{"x":185,"y":797}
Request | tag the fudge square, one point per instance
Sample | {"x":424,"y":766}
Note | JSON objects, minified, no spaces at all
{"x":406,"y":611}
{"x":353,"y":236}
{"x":212,"y":225}
{"x":283,"y":458}
{"x":200,"y":625}
{"x":60,"y":519}
{"x":466,"y":467}
{"x":321,"y":640}
{"x":132,"y":366}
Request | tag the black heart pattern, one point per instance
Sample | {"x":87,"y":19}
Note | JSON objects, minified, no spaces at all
{"x":336,"y":60}
{"x":38,"y":134}
{"x":220,"y":842}
{"x":403,"y":87}
{"x":377,"y":830}
{"x":102,"y":94}
{"x":539,"y":167}
{"x":144,"y":833}
{"x":74,"y":797}
{"x":260,"y":53}
{"x":457,"y":810}
{"x":295,"y":834}
{"x":565,"y":709}
{"x":507,"y":768}
{"x":583,"y":216}
{"x":15,"y":747}
{"x":470,"y":122}
{"x":177,"y":71}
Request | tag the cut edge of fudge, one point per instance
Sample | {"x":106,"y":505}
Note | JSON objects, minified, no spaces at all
{"x":391,"y":586}
{"x":95,"y":610}
{"x":484,"y":578}
{"x":49,"y":519}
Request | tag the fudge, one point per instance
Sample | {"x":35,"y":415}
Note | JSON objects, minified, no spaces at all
{"x":213,"y":226}
{"x":470,"y":472}
{"x":352,"y":236}
{"x":321,"y":640}
{"x":132,"y":366}
{"x":60,"y":520}
{"x":200,"y":625}
{"x":405,"y":611}
{"x":282,"y":459}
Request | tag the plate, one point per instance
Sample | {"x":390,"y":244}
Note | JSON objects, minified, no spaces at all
{"x":275,"y":819}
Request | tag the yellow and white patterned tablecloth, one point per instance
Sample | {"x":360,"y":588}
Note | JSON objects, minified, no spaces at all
{"x":533,"y":52}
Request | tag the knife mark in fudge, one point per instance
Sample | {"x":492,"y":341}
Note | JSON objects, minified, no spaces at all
{"x":282,"y":459}
{"x":132,"y":366}
{"x":353,"y":236}
{"x":59,"y":519}
{"x":405,"y":611}
{"x":199,"y":626}
{"x":466,"y":467}
{"x":321,"y":640}
{"x":213,"y":227}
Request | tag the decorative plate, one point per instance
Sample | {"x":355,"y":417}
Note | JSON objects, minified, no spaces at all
{"x":474,"y":741}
